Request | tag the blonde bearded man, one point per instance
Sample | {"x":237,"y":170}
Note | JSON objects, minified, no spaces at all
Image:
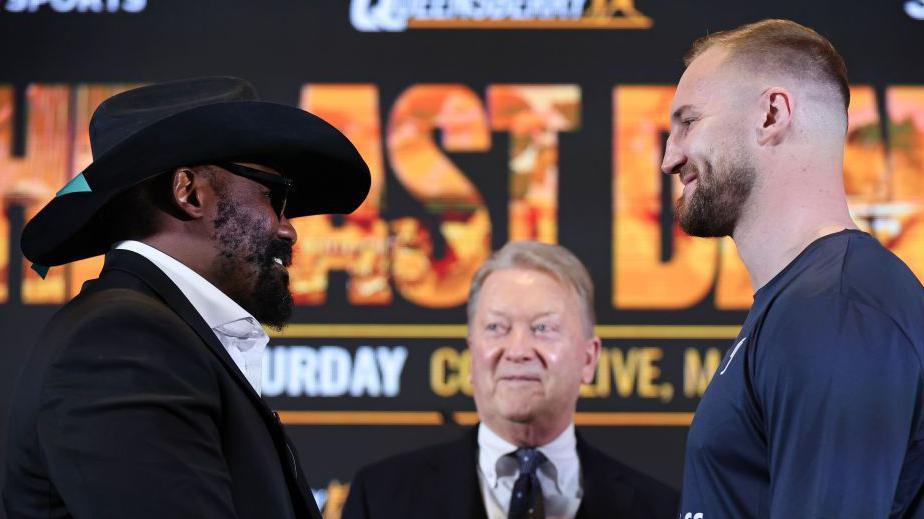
{"x":817,"y":409}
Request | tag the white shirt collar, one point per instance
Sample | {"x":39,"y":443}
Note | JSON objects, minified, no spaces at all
{"x":560,"y":452}
{"x":218,"y":310}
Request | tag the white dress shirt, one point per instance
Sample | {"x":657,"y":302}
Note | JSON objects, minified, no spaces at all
{"x":237,"y":330}
{"x":559,"y":475}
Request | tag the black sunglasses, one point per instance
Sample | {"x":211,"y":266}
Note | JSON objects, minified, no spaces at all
{"x":279,"y":186}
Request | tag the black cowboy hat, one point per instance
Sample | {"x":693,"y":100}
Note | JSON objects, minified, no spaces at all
{"x":151,"y":130}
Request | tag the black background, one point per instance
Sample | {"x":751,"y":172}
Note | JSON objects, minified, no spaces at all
{"x":280,"y":45}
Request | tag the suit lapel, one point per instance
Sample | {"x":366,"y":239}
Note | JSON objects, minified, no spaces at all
{"x":301,"y":480}
{"x":456,"y":482}
{"x":155,"y":278}
{"x":140,"y":267}
{"x":605,"y":494}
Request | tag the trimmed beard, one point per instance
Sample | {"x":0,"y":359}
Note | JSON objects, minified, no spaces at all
{"x":718,"y":201}
{"x":245,"y":262}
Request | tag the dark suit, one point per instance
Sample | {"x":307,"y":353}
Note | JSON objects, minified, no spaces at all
{"x":442,"y":482}
{"x":130,"y":407}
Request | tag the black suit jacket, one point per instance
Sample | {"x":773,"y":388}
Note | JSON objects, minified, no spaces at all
{"x":130,"y":407}
{"x":442,"y":482}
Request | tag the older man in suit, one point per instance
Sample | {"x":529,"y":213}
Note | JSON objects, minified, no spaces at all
{"x":531,"y":336}
{"x":142,"y":396}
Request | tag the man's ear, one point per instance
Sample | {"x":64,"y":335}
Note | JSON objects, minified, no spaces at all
{"x":776,"y":110}
{"x":591,"y":357}
{"x":188,"y":186}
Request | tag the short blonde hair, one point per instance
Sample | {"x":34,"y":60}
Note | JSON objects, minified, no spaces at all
{"x":781,"y":46}
{"x":553,"y":260}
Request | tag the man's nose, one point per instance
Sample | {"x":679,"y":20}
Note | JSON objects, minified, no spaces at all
{"x":673,"y":158}
{"x":286,"y":231}
{"x":519,"y":345}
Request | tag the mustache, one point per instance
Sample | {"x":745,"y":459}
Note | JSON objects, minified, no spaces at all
{"x":688,"y":169}
{"x":278,"y":249}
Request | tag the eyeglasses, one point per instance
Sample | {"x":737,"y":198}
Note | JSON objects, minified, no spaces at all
{"x":279,"y":186}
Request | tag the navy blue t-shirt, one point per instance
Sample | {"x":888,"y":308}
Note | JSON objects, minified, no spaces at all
{"x":817,"y":409}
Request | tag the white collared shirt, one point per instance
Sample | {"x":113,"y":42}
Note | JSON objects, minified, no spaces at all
{"x":237,"y":330}
{"x":560,"y":475}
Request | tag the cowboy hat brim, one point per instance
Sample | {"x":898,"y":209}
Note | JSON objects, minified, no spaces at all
{"x":330,"y":176}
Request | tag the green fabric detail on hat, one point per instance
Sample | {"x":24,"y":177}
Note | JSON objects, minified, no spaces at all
{"x":41,"y":270}
{"x":77,"y":184}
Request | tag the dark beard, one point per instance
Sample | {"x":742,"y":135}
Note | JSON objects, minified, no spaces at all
{"x":272,"y":301}
{"x":717,"y":203}
{"x":245,"y":265}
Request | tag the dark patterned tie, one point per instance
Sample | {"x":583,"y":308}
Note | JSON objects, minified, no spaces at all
{"x":526,"y":498}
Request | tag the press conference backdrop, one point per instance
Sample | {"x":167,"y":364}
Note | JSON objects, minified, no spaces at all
{"x":482,"y":121}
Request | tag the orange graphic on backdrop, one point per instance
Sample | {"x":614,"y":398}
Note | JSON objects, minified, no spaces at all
{"x":534,"y":115}
{"x":884,"y":184}
{"x":442,"y":189}
{"x":899,"y":221}
{"x":360,"y":244}
{"x":56,"y":149}
{"x":640,"y":278}
{"x":375,"y":252}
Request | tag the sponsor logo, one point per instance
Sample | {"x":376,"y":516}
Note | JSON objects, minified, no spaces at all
{"x":730,"y":358}
{"x":76,"y":6}
{"x":401,"y":15}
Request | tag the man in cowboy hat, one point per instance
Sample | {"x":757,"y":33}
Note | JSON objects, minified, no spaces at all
{"x":141,"y":397}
